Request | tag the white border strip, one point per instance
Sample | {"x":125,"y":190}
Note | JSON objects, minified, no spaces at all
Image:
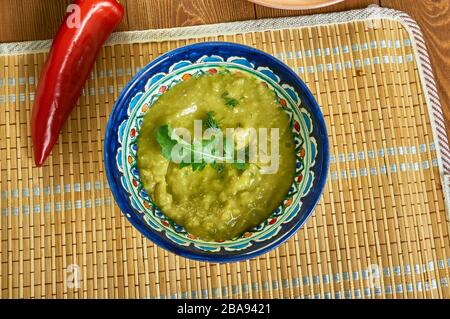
{"x":432,"y":98}
{"x":371,"y":13}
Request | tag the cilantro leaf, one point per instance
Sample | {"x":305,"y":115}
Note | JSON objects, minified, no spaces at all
{"x":219,"y":167}
{"x":241,"y":166}
{"x":205,"y":148}
{"x":165,"y":141}
{"x":184,"y":164}
{"x":211,"y":121}
{"x":229,"y":101}
{"x":198,"y":166}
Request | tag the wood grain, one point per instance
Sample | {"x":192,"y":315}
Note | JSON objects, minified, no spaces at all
{"x":22,"y":20}
{"x":433,"y":17}
{"x":30,"y":19}
{"x":175,"y":13}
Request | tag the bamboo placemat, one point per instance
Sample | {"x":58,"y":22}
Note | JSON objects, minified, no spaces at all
{"x":380,"y":230}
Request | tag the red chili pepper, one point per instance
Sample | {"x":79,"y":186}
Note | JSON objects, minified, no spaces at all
{"x":67,"y":68}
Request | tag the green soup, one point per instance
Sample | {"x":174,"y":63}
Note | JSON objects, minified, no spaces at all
{"x":212,"y":203}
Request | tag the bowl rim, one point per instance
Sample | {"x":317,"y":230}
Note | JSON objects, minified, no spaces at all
{"x":316,"y":192}
{"x":297,"y":5}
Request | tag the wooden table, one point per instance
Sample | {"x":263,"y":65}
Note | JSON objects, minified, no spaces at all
{"x":22,"y":20}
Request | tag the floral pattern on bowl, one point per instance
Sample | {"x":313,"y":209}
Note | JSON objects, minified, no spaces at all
{"x":152,"y":218}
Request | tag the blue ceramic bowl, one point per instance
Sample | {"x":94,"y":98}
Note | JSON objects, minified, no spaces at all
{"x":308,"y":129}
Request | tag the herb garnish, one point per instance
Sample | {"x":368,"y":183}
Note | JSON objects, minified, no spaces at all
{"x":211,"y":121}
{"x":229,"y":101}
{"x":167,"y":140}
{"x":204,"y":149}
